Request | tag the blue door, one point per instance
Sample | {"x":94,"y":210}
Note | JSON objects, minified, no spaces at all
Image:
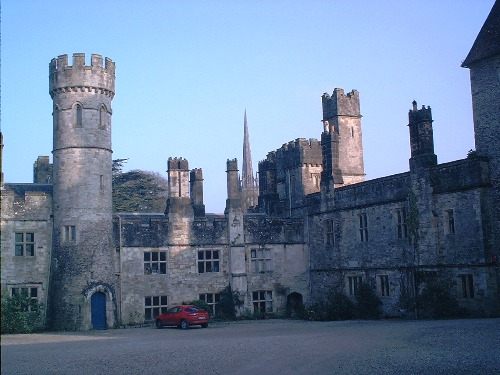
{"x":98,"y":310}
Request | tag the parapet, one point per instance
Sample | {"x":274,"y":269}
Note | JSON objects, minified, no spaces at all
{"x":196,"y":174}
{"x":340,"y":104}
{"x":80,"y":77}
{"x":232,"y":165}
{"x":178,"y":164}
{"x":419,"y":115}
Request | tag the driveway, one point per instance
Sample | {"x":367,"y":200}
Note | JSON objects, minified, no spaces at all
{"x":278,"y":347}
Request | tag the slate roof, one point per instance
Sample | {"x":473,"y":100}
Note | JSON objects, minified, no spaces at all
{"x":487,"y":43}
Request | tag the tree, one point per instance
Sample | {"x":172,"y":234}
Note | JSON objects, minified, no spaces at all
{"x":137,"y":190}
{"x":21,"y":314}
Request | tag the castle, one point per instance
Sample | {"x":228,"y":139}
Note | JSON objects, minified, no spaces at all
{"x":307,"y":226}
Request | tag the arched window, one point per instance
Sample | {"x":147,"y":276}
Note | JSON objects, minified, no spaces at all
{"x":78,"y":116}
{"x":102,"y":117}
{"x":55,"y":117}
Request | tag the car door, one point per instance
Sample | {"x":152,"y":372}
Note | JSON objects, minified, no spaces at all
{"x":171,"y":316}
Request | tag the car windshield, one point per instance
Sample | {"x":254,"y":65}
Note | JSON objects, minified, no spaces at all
{"x":173,"y":310}
{"x":192,"y":309}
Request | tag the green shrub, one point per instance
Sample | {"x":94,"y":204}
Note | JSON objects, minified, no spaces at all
{"x":435,"y":301}
{"x":367,"y":303}
{"x":339,"y":307}
{"x":20,"y":314}
{"x":228,"y":302}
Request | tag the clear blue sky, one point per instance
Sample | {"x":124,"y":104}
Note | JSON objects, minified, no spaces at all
{"x":186,"y":71}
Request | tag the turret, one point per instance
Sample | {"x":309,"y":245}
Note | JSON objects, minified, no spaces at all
{"x":196,"y":184}
{"x":421,"y":137}
{"x":84,"y":284}
{"x":42,"y":170}
{"x":179,"y":200}
{"x":341,"y":139}
{"x":233,"y":186}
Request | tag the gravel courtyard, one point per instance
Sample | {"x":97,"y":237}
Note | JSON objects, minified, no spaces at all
{"x":278,"y":347}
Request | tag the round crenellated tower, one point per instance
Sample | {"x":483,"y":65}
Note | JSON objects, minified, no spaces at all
{"x":83,"y":278}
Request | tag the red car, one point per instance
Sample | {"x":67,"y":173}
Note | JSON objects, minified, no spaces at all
{"x":183,"y":316}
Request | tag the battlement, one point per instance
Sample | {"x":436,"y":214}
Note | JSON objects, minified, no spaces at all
{"x":294,"y":154}
{"x":178,"y":164}
{"x":196,"y":174}
{"x":232,"y":165}
{"x":419,"y":115}
{"x":97,"y":77}
{"x":340,"y":104}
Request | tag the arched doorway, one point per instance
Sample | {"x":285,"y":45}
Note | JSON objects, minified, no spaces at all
{"x":294,"y":305}
{"x":98,"y":310}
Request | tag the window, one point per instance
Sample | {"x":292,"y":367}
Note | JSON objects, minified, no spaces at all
{"x":102,"y":117}
{"x":402,"y":225}
{"x":25,"y":244}
{"x":260,"y":260}
{"x":69,"y":233}
{"x":78,"y":116}
{"x":55,"y":117}
{"x":211,"y":299}
{"x":383,"y":281}
{"x":354,"y":283}
{"x":450,"y":221}
{"x":316,"y":179}
{"x":155,"y":262}
{"x":363,"y":227}
{"x":30,"y":293}
{"x":329,"y":230}
{"x":262,"y":301}
{"x":467,"y":286}
{"x":208,"y":261}
{"x":154,"y":306}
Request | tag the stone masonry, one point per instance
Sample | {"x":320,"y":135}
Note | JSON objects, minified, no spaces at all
{"x":317,"y":227}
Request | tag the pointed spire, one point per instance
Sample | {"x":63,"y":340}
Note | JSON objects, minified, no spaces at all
{"x":247,"y":177}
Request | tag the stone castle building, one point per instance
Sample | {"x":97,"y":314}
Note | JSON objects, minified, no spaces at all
{"x":308,"y":225}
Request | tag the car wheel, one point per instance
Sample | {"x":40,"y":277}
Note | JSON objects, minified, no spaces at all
{"x":204,"y":325}
{"x":184,"y":324}
{"x":158,"y":323}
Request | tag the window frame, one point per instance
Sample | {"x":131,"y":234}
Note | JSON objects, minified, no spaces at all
{"x":157,"y":304}
{"x":363,"y":226}
{"x":78,"y":115}
{"x":211,"y":299}
{"x":330,"y":232}
{"x":353,"y":284}
{"x":155,"y":262}
{"x":402,"y":223}
{"x":208,"y":264}
{"x":261,"y":260}
{"x":103,"y":111}
{"x":22,"y":245}
{"x":262,"y":301}
{"x":450,"y":222}
{"x":466,"y":286}
{"x":27,"y":291}
{"x":69,"y":233}
{"x":384,"y":285}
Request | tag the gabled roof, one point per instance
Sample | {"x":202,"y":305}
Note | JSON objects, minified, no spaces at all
{"x":487,"y":43}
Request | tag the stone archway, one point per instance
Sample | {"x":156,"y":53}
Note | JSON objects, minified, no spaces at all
{"x":99,"y":307}
{"x":294,"y":304}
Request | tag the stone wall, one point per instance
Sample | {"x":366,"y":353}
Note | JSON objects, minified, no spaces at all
{"x":26,"y":208}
